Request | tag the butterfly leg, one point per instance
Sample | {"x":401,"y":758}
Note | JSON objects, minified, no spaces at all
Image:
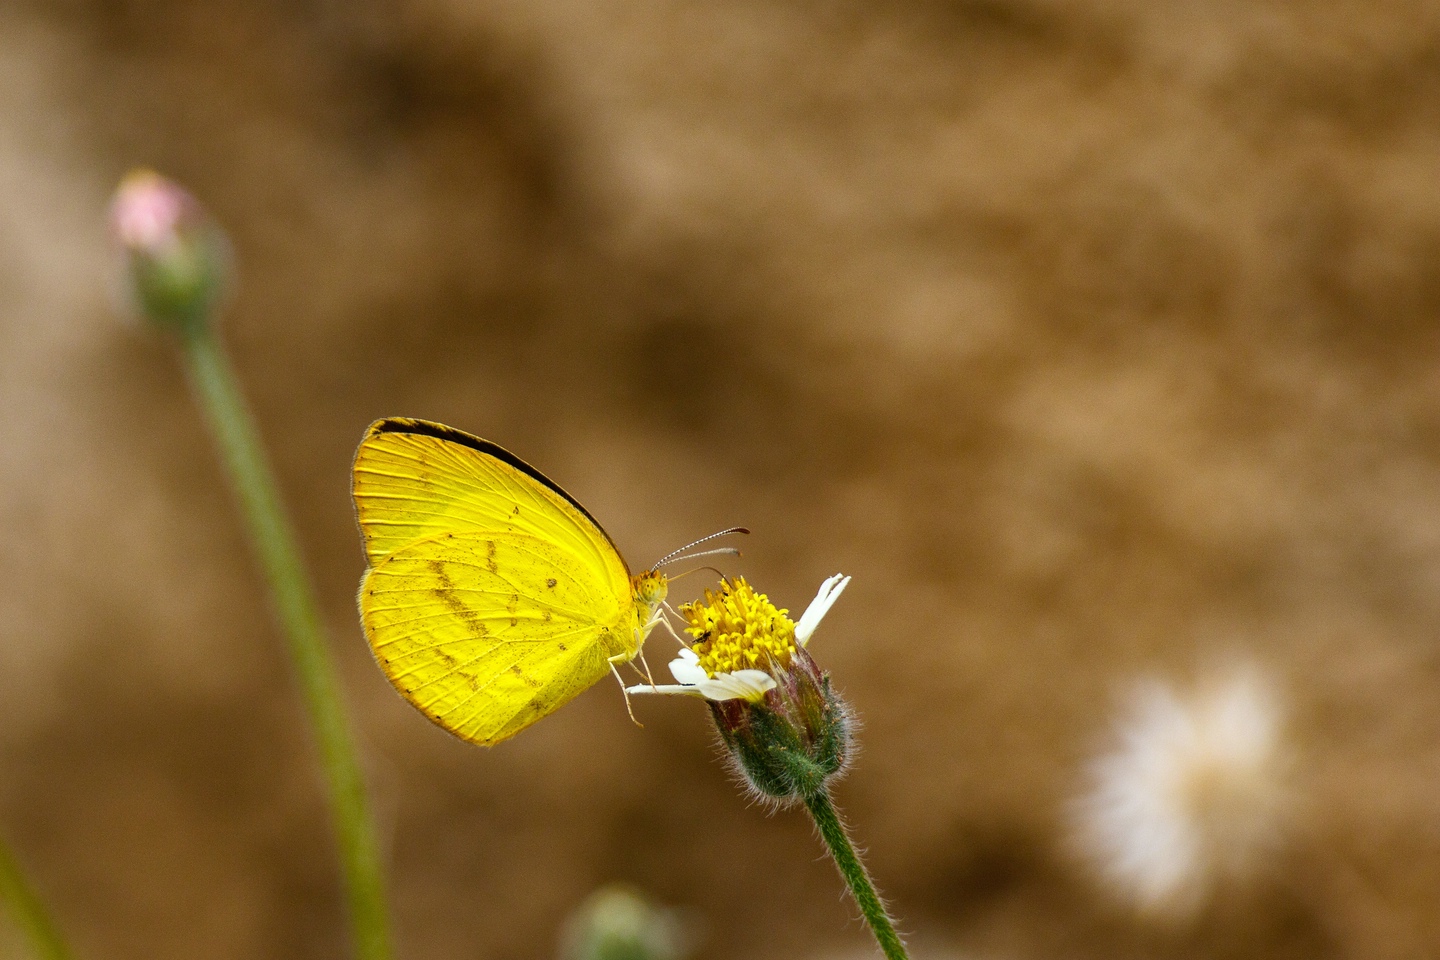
{"x":665,"y":621}
{"x":648,"y":675}
{"x":620,"y":658}
{"x":658,"y":616}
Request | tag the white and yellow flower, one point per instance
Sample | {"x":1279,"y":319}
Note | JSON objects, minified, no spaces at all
{"x":742,"y":641}
{"x":787,"y":732}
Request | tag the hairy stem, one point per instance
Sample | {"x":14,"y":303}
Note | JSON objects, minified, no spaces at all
{"x":832,"y":831}
{"x":28,"y":912}
{"x":270,"y":533}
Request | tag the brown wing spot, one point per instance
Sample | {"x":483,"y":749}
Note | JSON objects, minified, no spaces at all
{"x":562,"y":647}
{"x":516,"y":511}
{"x":530,"y":682}
{"x":446,"y":593}
{"x":547,"y":616}
{"x":551,"y":583}
{"x":490,"y":563}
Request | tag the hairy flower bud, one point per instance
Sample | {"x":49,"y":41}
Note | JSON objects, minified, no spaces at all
{"x":175,"y":259}
{"x":795,"y":740}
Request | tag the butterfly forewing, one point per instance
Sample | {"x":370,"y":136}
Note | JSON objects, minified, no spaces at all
{"x":414,"y":479}
{"x":487,"y":633}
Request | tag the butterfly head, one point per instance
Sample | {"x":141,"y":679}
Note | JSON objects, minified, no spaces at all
{"x":649,"y":589}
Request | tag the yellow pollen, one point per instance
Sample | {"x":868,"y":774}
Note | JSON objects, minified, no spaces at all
{"x":736,"y":628}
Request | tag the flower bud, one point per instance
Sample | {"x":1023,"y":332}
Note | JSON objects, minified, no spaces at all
{"x":793,"y":742}
{"x":175,"y":258}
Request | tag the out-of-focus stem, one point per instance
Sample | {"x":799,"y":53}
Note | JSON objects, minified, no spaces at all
{"x":224,"y":407}
{"x":832,"y":831}
{"x":27,"y":910}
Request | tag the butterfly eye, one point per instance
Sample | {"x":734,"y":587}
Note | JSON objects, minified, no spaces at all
{"x":651,"y":587}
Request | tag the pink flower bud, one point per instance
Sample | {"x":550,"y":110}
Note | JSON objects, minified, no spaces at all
{"x":175,"y":260}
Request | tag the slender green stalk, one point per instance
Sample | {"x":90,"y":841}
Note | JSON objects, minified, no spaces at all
{"x":28,"y":912}
{"x":832,"y":831}
{"x":239,"y":442}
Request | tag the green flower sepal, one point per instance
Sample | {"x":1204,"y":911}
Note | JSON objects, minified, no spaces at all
{"x":793,"y":742}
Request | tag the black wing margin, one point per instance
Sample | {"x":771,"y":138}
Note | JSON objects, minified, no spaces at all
{"x":428,"y":428}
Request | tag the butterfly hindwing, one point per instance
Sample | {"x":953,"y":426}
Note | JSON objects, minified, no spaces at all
{"x":487,"y":632}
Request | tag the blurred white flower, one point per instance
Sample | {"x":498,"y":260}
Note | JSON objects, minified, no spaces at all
{"x":1192,"y":792}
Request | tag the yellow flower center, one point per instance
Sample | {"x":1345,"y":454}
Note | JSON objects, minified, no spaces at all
{"x":736,"y":628}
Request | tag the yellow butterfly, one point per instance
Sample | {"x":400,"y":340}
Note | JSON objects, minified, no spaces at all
{"x":493,"y":597}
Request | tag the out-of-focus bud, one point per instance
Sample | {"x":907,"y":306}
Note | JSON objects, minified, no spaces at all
{"x":175,"y":259}
{"x":618,"y":923}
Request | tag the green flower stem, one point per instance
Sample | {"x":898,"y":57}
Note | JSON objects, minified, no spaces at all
{"x":832,"y":831}
{"x":28,"y":912}
{"x":239,"y":442}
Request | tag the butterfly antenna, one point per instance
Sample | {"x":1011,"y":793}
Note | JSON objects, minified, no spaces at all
{"x":696,"y":570}
{"x":718,"y":551}
{"x":675,"y":553}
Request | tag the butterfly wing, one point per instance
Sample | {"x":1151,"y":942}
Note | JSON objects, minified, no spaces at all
{"x":492,"y":597}
{"x":414,"y":479}
{"x":487,"y":633}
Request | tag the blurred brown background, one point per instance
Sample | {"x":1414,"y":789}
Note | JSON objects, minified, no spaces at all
{"x":1093,"y":339}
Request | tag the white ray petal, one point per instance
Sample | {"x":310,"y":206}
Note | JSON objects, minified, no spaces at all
{"x":741,"y":685}
{"x":686,"y":668}
{"x":830,"y":591}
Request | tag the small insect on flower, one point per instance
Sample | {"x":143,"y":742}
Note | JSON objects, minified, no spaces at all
{"x":785,"y":728}
{"x":1191,"y":794}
